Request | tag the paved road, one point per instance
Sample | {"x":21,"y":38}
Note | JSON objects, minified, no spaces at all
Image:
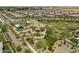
{"x":13,"y":37}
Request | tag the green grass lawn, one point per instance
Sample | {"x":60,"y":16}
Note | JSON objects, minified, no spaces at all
{"x":50,"y":37}
{"x":60,"y":30}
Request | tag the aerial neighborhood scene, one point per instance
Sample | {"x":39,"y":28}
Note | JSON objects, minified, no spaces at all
{"x":39,"y":29}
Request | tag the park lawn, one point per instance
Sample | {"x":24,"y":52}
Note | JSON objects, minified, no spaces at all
{"x":50,"y":37}
{"x":60,"y":30}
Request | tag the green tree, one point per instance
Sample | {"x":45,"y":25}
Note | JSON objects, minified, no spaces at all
{"x":18,"y":48}
{"x":27,"y":51}
{"x":73,"y":39}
